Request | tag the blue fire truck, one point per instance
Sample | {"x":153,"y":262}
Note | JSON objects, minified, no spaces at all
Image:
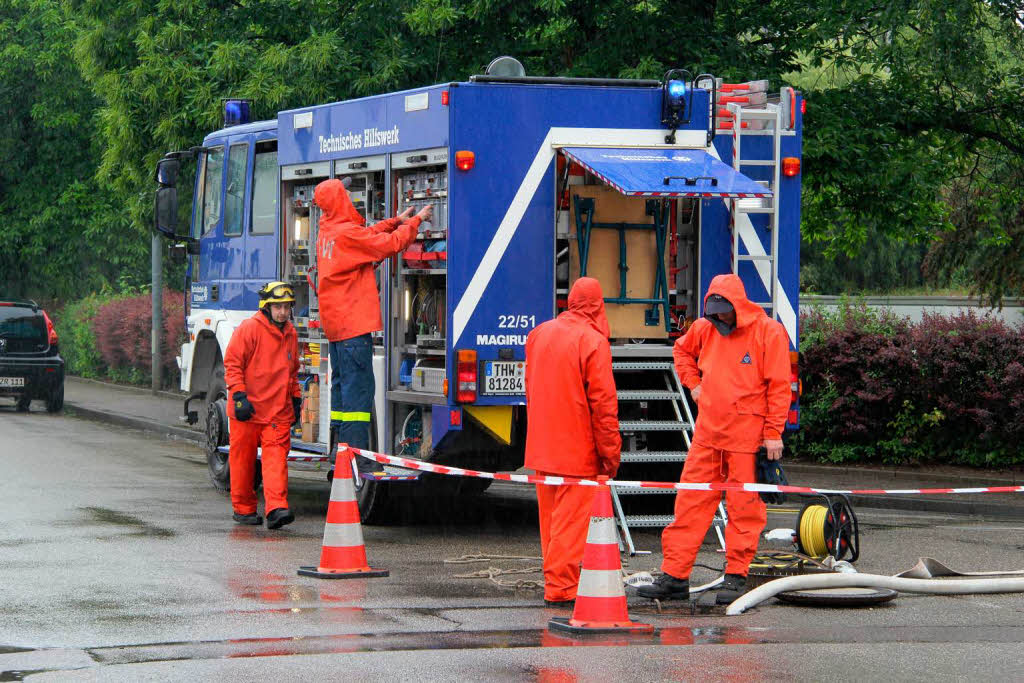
{"x":653,"y":187}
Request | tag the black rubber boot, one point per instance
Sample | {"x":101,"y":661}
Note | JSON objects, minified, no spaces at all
{"x":278,"y":517}
{"x":731,"y":588}
{"x":251,"y":520}
{"x":561,"y":604}
{"x":666,"y":587}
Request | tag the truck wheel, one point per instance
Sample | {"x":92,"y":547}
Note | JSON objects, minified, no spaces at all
{"x":55,"y":401}
{"x":375,"y":502}
{"x":217,"y":435}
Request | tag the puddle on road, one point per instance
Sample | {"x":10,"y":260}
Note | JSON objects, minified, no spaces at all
{"x":123,"y":519}
{"x":463,"y":640}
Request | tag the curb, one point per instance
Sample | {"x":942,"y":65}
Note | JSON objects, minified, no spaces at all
{"x":167,"y":431}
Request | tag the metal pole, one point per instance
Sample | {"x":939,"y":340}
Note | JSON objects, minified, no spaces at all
{"x":156,"y":266}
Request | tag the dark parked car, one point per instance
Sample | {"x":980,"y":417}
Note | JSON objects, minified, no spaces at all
{"x":30,"y":365}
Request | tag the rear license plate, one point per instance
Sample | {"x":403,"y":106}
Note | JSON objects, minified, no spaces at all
{"x":504,"y":378}
{"x":12,"y":381}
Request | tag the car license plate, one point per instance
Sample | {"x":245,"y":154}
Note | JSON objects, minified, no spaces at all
{"x":12,"y":381}
{"x":504,"y":378}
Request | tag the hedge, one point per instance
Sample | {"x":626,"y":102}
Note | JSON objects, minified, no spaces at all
{"x":877,"y":388}
{"x":108,"y":337}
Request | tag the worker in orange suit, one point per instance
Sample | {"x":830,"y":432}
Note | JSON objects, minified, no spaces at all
{"x":261,"y":369}
{"x":572,"y":416}
{"x":735,"y":362}
{"x":348,"y":250}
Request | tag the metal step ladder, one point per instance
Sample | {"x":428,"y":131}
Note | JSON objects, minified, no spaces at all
{"x":766,"y":262}
{"x":664,"y":386}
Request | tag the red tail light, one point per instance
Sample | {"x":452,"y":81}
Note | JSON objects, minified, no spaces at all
{"x":466,"y":375}
{"x":791,"y":166}
{"x":464,"y":160}
{"x":50,"y":330}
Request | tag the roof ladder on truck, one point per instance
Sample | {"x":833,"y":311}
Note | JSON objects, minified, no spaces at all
{"x":747,"y":122}
{"x":651,"y":382}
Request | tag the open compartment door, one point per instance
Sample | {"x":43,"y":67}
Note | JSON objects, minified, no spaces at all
{"x":665,"y":172}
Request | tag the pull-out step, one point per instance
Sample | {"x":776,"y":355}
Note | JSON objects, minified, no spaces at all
{"x":652,"y":456}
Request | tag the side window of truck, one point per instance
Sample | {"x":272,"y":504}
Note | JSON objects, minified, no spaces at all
{"x":238,"y":157}
{"x":264,"y":188}
{"x":212,"y":174}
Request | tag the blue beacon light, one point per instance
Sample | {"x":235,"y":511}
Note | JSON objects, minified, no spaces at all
{"x":236,"y":112}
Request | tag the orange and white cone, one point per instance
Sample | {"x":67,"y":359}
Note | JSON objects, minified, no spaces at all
{"x":344,"y":554}
{"x":600,"y":598}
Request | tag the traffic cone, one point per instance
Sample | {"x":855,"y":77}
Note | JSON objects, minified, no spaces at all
{"x":600,"y":599}
{"x":344,"y":554}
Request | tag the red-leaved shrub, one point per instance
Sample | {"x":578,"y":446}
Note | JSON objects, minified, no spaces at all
{"x":123,"y":335}
{"x":950,"y":388}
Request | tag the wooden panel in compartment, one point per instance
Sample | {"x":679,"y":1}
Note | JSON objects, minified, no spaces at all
{"x":610,"y":206}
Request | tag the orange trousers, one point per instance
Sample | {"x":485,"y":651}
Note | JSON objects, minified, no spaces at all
{"x":564,"y":520}
{"x":275,"y":439}
{"x":695,"y":510}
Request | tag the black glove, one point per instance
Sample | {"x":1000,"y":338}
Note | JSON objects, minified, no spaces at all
{"x":243,"y":409}
{"x":770,"y":472}
{"x":297,"y":407}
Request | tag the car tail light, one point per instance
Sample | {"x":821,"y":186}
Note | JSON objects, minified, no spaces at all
{"x":791,"y":166}
{"x":466,"y":374}
{"x":51,"y":331}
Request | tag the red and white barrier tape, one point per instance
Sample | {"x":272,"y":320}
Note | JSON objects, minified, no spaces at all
{"x":679,"y":486}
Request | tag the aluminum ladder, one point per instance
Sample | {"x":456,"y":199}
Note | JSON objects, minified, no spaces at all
{"x":743,"y":229}
{"x":664,"y":386}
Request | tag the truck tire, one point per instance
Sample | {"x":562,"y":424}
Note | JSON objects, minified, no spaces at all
{"x":217,"y":434}
{"x":55,"y":401}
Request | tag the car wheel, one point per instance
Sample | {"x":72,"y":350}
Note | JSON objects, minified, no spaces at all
{"x":55,"y":401}
{"x":217,"y":435}
{"x":23,"y":402}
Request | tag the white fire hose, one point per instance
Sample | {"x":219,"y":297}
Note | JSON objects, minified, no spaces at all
{"x":896,"y":583}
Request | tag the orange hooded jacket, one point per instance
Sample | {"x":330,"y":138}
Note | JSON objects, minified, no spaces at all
{"x":744,"y":376}
{"x":263,"y":361}
{"x":347,"y":251}
{"x":571,"y":404}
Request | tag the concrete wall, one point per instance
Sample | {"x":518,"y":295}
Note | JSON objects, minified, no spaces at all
{"x":913,"y":306}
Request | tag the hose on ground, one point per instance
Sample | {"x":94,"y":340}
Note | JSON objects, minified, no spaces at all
{"x":903,"y":585}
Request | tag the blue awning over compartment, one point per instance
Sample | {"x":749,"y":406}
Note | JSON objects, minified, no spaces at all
{"x":665,"y":172}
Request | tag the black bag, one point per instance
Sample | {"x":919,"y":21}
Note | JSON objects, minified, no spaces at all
{"x":770,"y":472}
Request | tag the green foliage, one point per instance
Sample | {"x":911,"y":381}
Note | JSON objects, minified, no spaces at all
{"x":62,"y":235}
{"x":914,"y":134}
{"x":76,"y":338}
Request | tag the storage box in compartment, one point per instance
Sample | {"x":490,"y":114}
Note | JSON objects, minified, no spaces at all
{"x":427,"y":379}
{"x":626,"y":320}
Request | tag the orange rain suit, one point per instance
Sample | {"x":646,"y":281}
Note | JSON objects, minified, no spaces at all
{"x":572,"y":427}
{"x":745,"y":394}
{"x":263,"y":361}
{"x":347,"y":251}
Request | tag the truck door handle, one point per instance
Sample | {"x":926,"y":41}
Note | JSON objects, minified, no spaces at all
{"x":214,"y":292}
{"x":690,"y":181}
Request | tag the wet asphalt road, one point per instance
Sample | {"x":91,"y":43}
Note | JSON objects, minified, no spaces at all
{"x":118,"y":561}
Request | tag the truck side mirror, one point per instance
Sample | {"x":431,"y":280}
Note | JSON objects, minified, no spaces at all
{"x":167,"y":171}
{"x":167,"y":211}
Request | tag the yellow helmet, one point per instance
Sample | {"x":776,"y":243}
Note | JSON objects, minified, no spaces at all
{"x":276,"y":293}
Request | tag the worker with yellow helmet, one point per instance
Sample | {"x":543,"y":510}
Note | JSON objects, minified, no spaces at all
{"x":261,"y":368}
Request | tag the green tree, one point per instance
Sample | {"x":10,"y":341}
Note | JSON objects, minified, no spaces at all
{"x":62,"y":236}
